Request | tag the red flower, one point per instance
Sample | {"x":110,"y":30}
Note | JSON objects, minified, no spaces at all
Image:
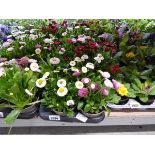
{"x":93,"y":45}
{"x":57,"y":43}
{"x":107,"y":49}
{"x":53,"y":28}
{"x":79,"y":50}
{"x":66,"y":58}
{"x":115,"y":69}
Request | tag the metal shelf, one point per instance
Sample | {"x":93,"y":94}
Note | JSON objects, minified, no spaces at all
{"x":115,"y":118}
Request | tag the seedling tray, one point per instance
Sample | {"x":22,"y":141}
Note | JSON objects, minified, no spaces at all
{"x":47,"y":114}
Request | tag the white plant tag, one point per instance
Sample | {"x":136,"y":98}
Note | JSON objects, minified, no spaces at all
{"x":1,"y":115}
{"x":54,"y":117}
{"x":81,"y":117}
{"x":133,"y":104}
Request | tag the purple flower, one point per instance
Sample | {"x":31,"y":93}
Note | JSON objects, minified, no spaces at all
{"x":23,"y":60}
{"x":37,"y":46}
{"x":104,"y":91}
{"x":116,"y":84}
{"x":76,"y":74}
{"x":86,"y":80}
{"x":94,"y":87}
{"x":3,"y":59}
{"x":83,"y":92}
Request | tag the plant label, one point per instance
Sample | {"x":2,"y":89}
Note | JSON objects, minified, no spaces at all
{"x":54,"y":117}
{"x":81,"y":117}
{"x":1,"y":114}
{"x":133,"y":104}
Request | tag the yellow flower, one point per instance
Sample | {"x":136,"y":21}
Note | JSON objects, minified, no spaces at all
{"x":130,"y":55}
{"x":142,"y":47}
{"x":123,"y":91}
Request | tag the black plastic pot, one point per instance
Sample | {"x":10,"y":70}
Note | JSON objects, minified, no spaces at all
{"x":150,"y":100}
{"x":89,"y":115}
{"x":123,"y":100}
{"x":27,"y":113}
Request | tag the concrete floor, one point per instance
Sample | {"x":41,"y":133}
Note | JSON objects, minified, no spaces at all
{"x":136,"y":130}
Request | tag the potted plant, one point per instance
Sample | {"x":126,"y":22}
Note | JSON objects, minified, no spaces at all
{"x":125,"y":91}
{"x":18,"y":89}
{"x":58,"y":96}
{"x":145,"y":92}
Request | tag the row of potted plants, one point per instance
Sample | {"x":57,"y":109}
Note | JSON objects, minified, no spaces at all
{"x":77,"y":65}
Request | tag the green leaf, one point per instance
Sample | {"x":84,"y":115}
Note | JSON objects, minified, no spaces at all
{"x":87,"y":108}
{"x":10,"y":119}
{"x":131,"y":94}
{"x":152,"y":92}
{"x":70,"y":114}
{"x":103,"y":102}
{"x":124,"y":40}
{"x":135,"y":87}
{"x":144,"y":98}
{"x":80,"y":105}
{"x":115,"y":99}
{"x":118,"y":54}
{"x":138,"y":83}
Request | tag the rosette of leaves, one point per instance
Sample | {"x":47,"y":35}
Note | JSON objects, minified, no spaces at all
{"x":143,"y":90}
{"x":12,"y":90}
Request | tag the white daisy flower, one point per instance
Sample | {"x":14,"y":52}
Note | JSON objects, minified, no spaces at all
{"x":70,"y":103}
{"x":50,"y":41}
{"x":90,"y":65}
{"x":62,"y":91}
{"x":92,"y":86}
{"x":10,"y":49}
{"x":79,"y":85}
{"x":40,"y":83}
{"x":84,"y":57}
{"x":74,"y":69}
{"x":64,"y":33}
{"x":61,"y":83}
{"x":38,"y":51}
{"x":28,"y":92}
{"x":6,"y":44}
{"x":46,"y":75}
{"x":108,"y":83}
{"x":33,"y":37}
{"x":54,"y":61}
{"x":32,"y":60}
{"x":21,"y":47}
{"x":86,"y":29}
{"x":77,"y":59}
{"x":27,"y":69}
{"x":104,"y":74}
{"x":1,"y":64}
{"x":72,"y":63}
{"x":34,"y":66}
{"x":76,"y":27}
{"x":84,"y":70}
{"x":2,"y":71}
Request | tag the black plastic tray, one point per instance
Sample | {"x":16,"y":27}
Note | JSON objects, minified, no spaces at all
{"x":47,"y":114}
{"x":132,"y":105}
{"x":5,"y":111}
